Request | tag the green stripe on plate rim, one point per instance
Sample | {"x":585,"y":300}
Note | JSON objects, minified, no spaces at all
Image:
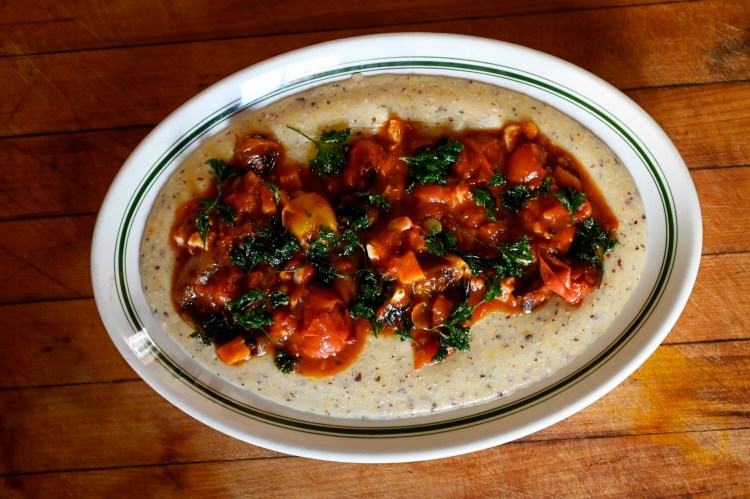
{"x":463,"y":66}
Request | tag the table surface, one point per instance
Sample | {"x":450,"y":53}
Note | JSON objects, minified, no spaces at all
{"x":82,"y":83}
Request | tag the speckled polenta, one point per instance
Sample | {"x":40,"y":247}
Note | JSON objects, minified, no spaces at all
{"x":507,"y":353}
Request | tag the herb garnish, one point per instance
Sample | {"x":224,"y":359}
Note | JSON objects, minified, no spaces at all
{"x":217,"y":328}
{"x":453,"y":333}
{"x":272,"y":245}
{"x":258,"y":317}
{"x":483,"y":197}
{"x":371,"y":292}
{"x":285,"y":361}
{"x":430,"y":165}
{"x":355,"y":216}
{"x":440,"y":242}
{"x":497,"y":179}
{"x":249,"y":312}
{"x":515,"y":197}
{"x":222,"y":171}
{"x":318,"y":251}
{"x":332,"y":149}
{"x":591,"y":243}
{"x":493,"y":286}
{"x":350,"y":241}
{"x":403,"y":330}
{"x":571,"y":199}
{"x":546,"y":186}
{"x":275,"y":190}
{"x":513,"y":257}
{"x":252,"y":311}
{"x":375,"y":200}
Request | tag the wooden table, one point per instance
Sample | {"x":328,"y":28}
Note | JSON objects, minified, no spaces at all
{"x":83,"y":82}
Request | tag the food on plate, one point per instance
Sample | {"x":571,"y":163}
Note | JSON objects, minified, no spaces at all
{"x":399,"y":241}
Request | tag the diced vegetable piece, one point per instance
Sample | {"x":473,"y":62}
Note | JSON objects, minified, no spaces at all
{"x":441,"y":309}
{"x":526,"y":165}
{"x":233,"y":351}
{"x":396,"y":131}
{"x":564,"y":178}
{"x":325,"y":328}
{"x":426,"y":348}
{"x":303,"y":215}
{"x":269,"y":199}
{"x":405,"y":268}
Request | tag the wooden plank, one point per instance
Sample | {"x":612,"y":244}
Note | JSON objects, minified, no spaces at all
{"x":57,"y":343}
{"x":62,"y":174}
{"x":706,"y":463}
{"x":36,"y":26}
{"x":77,"y":168}
{"x":697,"y":120}
{"x":141,"y":85}
{"x":724,"y":196}
{"x":45,"y":259}
{"x":681,"y":388}
{"x":717,"y":307}
{"x":121,"y":424}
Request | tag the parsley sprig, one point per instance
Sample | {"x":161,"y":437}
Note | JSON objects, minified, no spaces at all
{"x":371,"y":292}
{"x":515,"y":197}
{"x":509,"y":263}
{"x":332,"y":148}
{"x":484,"y":198}
{"x":222,"y":171}
{"x":318,"y":251}
{"x":272,"y":245}
{"x":497,"y":179}
{"x":571,"y":199}
{"x":430,"y":165}
{"x":454,"y":333}
{"x":440,"y":242}
{"x":251,"y":311}
{"x":285,"y":361}
{"x":513,"y":257}
{"x":375,"y":200}
{"x":246,"y":314}
{"x":591,"y":243}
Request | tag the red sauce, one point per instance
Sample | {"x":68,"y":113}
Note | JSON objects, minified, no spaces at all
{"x":307,"y":267}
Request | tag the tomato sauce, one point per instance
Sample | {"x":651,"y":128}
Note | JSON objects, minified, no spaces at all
{"x":408,"y":232}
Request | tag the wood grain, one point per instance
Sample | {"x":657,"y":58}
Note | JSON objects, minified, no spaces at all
{"x":57,"y":343}
{"x":64,"y":174}
{"x":141,"y":85}
{"x":699,"y":463}
{"x":45,"y":259}
{"x":101,"y":418}
{"x":724,"y":197}
{"x":697,"y":119}
{"x":681,"y":388}
{"x":718,"y":306}
{"x":37,"y":26}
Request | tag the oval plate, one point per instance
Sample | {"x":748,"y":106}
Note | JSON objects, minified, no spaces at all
{"x":674,"y":241}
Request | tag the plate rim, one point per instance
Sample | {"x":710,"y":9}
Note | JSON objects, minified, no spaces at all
{"x":165,"y":388}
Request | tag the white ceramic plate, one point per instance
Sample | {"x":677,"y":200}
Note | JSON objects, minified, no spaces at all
{"x":674,"y":243}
